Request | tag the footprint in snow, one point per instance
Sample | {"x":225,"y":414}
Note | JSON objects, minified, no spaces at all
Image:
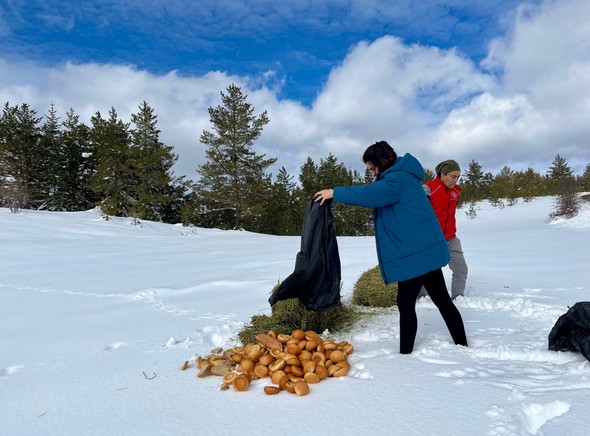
{"x":172,"y":342}
{"x":359,"y":370}
{"x":217,"y":335}
{"x":10,"y":370}
{"x":376,"y":353}
{"x":525,"y":418}
{"x":114,"y":346}
{"x":533,"y":415}
{"x":437,"y":361}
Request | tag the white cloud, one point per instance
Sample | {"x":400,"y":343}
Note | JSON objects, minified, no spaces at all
{"x":497,"y":131}
{"x":382,"y":90}
{"x":545,"y":46}
{"x":542,"y":105}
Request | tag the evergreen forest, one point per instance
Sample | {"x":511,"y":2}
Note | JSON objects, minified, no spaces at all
{"x":123,"y":168}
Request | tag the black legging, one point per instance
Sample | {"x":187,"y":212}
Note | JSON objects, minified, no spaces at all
{"x":407,"y":292}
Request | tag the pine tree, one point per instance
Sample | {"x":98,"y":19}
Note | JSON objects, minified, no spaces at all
{"x":51,"y":167}
{"x":20,"y":155}
{"x":281,"y":214}
{"x":187,"y":211}
{"x":112,"y":182}
{"x":564,"y":186}
{"x":348,"y":220}
{"x":291,"y":205}
{"x":530,"y":184}
{"x":359,"y":220}
{"x":584,"y":180}
{"x":567,"y":203}
{"x":326,"y":175}
{"x":475,"y":183}
{"x":333,"y":173}
{"x":309,"y":184}
{"x":428,"y":175}
{"x":503,"y":188}
{"x":79,"y":165}
{"x":151,"y":163}
{"x":308,"y":178}
{"x":559,"y":169}
{"x":234,"y":177}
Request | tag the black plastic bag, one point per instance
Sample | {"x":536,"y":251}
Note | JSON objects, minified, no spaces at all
{"x":571,"y":332}
{"x":316,"y":278}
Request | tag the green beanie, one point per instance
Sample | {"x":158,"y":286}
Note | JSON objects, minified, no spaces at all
{"x":447,"y":166}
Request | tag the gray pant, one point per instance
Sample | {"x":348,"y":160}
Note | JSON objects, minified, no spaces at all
{"x":458,"y":266}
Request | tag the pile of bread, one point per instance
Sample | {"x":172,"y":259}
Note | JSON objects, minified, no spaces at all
{"x":291,"y":362}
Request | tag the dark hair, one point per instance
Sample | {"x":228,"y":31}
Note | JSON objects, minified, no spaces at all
{"x":381,"y":155}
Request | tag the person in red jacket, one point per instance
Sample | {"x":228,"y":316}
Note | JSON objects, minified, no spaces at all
{"x":444,"y":194}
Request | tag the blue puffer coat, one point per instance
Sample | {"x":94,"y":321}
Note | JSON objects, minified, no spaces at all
{"x":407,"y":234}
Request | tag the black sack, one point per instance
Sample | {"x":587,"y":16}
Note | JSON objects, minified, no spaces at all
{"x":571,"y":332}
{"x":316,"y":278}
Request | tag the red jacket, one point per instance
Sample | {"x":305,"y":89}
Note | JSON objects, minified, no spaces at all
{"x":444,"y":202}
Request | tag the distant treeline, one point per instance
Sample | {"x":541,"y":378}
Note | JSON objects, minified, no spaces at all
{"x":124,"y":169}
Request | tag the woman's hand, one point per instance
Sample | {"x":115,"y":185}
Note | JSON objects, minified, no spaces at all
{"x":323,"y":195}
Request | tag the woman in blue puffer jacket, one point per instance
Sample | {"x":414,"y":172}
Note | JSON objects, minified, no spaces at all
{"x":411,"y":247}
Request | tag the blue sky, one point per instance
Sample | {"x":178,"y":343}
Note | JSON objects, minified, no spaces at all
{"x":501,"y":82}
{"x":300,"y":41}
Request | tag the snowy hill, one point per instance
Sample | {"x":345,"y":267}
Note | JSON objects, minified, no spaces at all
{"x":96,"y":318}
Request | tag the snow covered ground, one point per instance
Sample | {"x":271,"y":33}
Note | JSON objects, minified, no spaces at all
{"x":97,"y":317}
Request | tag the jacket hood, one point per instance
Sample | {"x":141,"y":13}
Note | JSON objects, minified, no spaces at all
{"x":408,"y":164}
